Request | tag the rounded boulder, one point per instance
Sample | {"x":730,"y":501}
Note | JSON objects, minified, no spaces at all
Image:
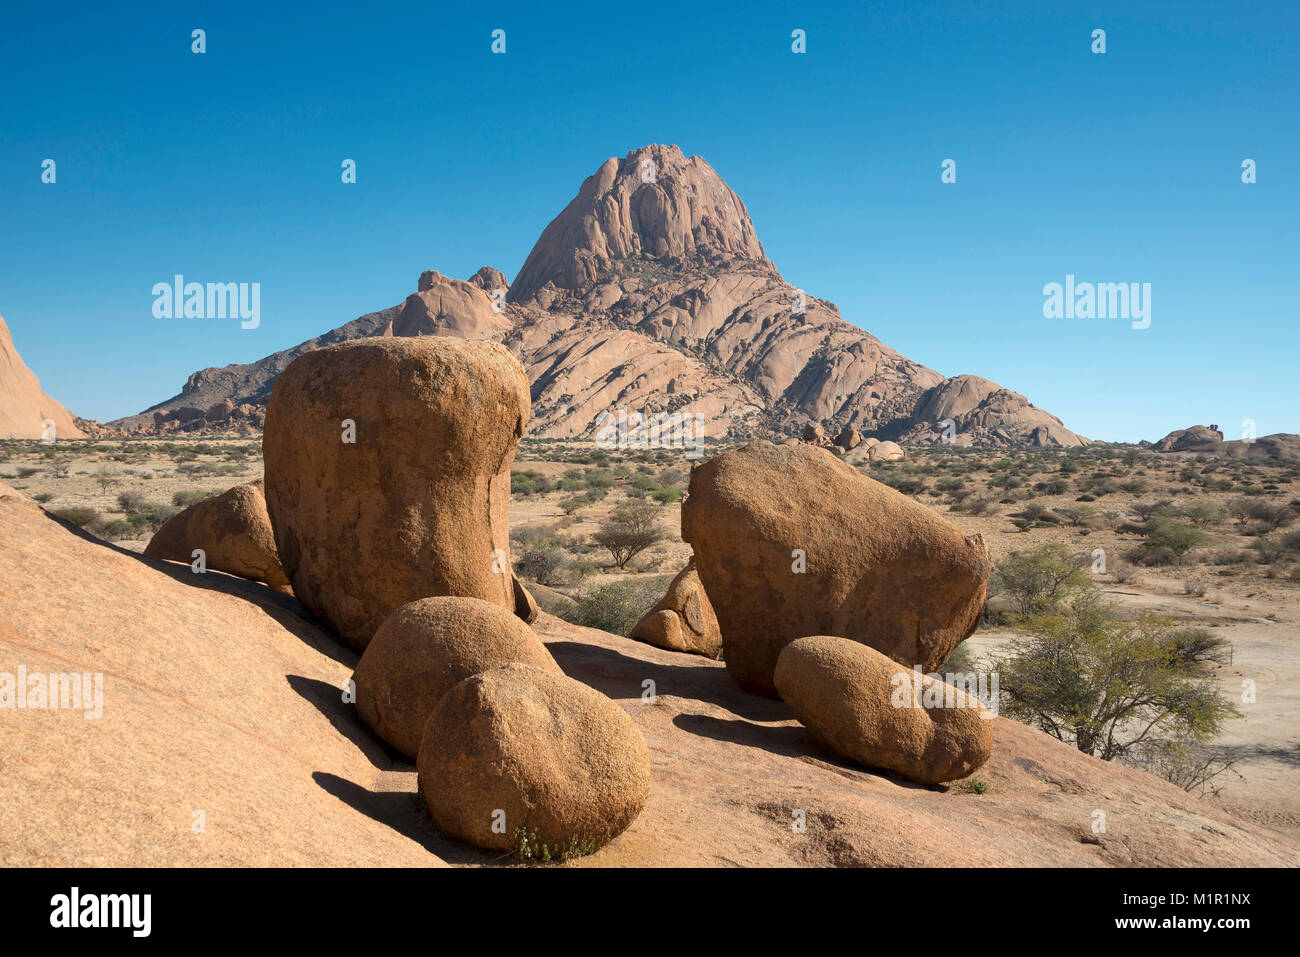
{"x":791,"y":541}
{"x":683,"y":620}
{"x":427,"y":647}
{"x":233,"y":531}
{"x":541,"y":756}
{"x":868,"y":708}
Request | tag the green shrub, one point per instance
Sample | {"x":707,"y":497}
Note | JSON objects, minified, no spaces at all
{"x":78,"y":515}
{"x":131,"y":502}
{"x":616,"y":606}
{"x":1108,"y":684}
{"x":1167,"y":535}
{"x":670,"y":493}
{"x":545,"y":563}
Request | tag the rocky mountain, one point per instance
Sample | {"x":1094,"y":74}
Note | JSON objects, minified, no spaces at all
{"x":24,"y":408}
{"x":1209,"y":440}
{"x":651,"y":290}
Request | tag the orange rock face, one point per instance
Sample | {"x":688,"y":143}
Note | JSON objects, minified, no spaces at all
{"x":25,"y":411}
{"x":388,"y":475}
{"x":651,"y":291}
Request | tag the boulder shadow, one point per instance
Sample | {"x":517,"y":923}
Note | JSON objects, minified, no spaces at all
{"x":785,"y":740}
{"x":328,"y":700}
{"x":617,"y":675}
{"x":1285,"y":754}
{"x":405,"y":813}
{"x":790,"y":741}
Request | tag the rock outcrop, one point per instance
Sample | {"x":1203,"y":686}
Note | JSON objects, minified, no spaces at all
{"x":287,"y":774}
{"x":1198,"y":438}
{"x":683,"y":620}
{"x":1204,"y":440}
{"x":790,"y":541}
{"x":557,"y":764}
{"x":968,"y":410}
{"x":415,"y":504}
{"x":886,"y":452}
{"x":234,"y":532}
{"x":654,"y":204}
{"x":423,"y":649}
{"x":26,"y":412}
{"x":451,"y":307}
{"x":871,"y":710}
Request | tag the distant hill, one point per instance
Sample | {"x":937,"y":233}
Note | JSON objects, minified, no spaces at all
{"x":1209,"y":440}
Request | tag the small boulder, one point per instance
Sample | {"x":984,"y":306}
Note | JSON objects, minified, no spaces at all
{"x":887,"y":452}
{"x":233,"y":531}
{"x":848,"y":439}
{"x":871,"y":710}
{"x":683,"y":620}
{"x":566,"y":765}
{"x":791,"y":541}
{"x":423,"y":649}
{"x":220,"y":412}
{"x":814,"y":433}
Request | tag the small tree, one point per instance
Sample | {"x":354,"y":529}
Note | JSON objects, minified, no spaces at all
{"x":131,"y":502}
{"x":545,"y":563}
{"x":1111,"y":685}
{"x":1204,"y":513}
{"x":1040,"y":580}
{"x":570,"y":506}
{"x":630,"y":529}
{"x":1165,"y":533}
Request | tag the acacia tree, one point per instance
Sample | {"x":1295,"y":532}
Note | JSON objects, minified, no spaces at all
{"x":1040,"y":580}
{"x":630,"y":530}
{"x":1112,"y":685}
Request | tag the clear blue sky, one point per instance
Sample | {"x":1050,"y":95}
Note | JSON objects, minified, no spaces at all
{"x":1116,"y":167}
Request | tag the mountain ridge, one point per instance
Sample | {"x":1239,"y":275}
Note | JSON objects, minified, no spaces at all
{"x":651,"y":290}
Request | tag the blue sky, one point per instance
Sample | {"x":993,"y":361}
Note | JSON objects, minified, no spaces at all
{"x":1121,"y":167}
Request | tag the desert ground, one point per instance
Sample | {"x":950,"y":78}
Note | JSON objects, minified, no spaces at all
{"x":1240,"y":577}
